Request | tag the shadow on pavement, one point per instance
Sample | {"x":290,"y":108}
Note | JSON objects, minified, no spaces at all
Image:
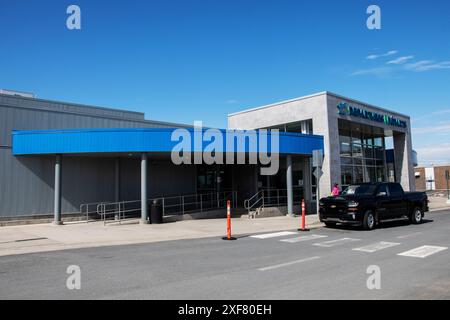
{"x":382,"y":225}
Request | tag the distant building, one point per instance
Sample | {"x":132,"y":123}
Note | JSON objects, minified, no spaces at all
{"x":431,"y":178}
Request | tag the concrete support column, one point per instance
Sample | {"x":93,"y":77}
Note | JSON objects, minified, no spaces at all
{"x":255,"y":181}
{"x":117,"y":183}
{"x":290,"y":193}
{"x":144,"y":206}
{"x":404,"y":169}
{"x":58,"y":179}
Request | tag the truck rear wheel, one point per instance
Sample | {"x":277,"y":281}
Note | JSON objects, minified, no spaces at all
{"x":369,"y":221}
{"x":416,"y":216}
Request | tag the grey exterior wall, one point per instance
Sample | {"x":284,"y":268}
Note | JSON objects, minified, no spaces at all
{"x":26,"y":183}
{"x":311,"y":107}
{"x":322,"y":109}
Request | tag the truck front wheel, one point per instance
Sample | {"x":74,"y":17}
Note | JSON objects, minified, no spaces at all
{"x":369,"y":221}
{"x":416,"y":216}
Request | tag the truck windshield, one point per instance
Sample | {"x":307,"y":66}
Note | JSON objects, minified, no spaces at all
{"x":364,"y":189}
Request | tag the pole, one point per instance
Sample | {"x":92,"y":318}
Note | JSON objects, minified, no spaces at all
{"x":144,"y":200}
{"x":317,"y":191}
{"x":229,"y":237}
{"x":290,"y":196}
{"x":447,"y":176}
{"x":303,"y":226}
{"x":57,"y":200}
{"x":228,"y":220}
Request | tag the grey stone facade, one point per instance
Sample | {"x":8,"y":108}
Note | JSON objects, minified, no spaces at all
{"x":322,"y":109}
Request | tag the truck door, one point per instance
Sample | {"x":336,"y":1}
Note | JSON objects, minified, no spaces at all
{"x":383,"y":200}
{"x":397,"y":205}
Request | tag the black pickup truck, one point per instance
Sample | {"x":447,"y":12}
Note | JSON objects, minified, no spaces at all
{"x":367,"y":204}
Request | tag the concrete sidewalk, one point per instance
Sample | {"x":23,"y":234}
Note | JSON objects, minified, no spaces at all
{"x":438,"y":203}
{"x":47,"y":237}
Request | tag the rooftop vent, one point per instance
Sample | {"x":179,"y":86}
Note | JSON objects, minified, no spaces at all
{"x":17,"y":93}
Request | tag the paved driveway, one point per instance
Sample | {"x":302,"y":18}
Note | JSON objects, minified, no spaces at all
{"x":324,"y":263}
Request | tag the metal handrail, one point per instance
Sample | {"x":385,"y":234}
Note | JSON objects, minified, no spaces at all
{"x":247,"y":202}
{"x":265,"y":201}
{"x":179,"y":204}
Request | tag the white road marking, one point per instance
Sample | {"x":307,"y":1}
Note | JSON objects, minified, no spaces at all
{"x":273,"y":235}
{"x":288,"y":263}
{"x":304,"y":238}
{"x":409,"y":235}
{"x":376,"y":246}
{"x":423,"y":251}
{"x":332,"y":243}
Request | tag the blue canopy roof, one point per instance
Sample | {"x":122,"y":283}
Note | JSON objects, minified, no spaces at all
{"x":157,"y":140}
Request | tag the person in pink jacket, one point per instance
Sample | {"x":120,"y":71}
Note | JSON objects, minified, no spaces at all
{"x":335,"y":192}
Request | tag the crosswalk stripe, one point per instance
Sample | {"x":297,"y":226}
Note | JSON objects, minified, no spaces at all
{"x":273,"y":235}
{"x":423,"y":251}
{"x":377,"y":246}
{"x":304,"y":238}
{"x":332,"y":243}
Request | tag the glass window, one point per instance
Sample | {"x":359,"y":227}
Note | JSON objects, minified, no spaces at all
{"x":366,"y":147}
{"x":304,"y":127}
{"x":358,"y":176}
{"x":279,"y":128}
{"x":378,"y":142}
{"x":380,"y":174}
{"x":357,"y":150}
{"x":379,"y":153}
{"x":368,"y":141}
{"x":346,"y":175}
{"x":356,"y":137}
{"x":372,"y":174}
{"x":395,"y":189}
{"x":294,"y":127}
{"x":344,"y":132}
{"x":346,"y":161}
{"x":345,"y":148}
{"x":368,"y":152}
{"x":363,"y":189}
{"x":382,"y":189}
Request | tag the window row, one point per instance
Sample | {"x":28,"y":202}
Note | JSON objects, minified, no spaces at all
{"x":348,"y":161}
{"x":359,"y":137}
{"x":362,"y":151}
{"x":360,"y":174}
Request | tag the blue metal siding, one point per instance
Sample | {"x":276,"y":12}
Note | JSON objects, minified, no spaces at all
{"x":79,"y":141}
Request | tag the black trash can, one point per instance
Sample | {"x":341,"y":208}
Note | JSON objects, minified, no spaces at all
{"x":156,"y":214}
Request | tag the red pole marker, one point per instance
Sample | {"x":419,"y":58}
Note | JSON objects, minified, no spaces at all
{"x":303,"y":226}
{"x":228,"y":237}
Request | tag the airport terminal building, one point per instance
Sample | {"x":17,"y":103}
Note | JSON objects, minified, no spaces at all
{"x":62,"y":160}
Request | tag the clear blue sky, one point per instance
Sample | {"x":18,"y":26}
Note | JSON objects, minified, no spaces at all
{"x":189,"y":60}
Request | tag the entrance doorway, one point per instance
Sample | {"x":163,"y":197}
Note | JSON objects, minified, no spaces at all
{"x":213,"y":178}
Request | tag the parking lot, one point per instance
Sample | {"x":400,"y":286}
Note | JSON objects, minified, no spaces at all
{"x":323,"y":263}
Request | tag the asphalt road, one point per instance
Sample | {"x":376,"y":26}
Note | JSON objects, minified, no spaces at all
{"x":321,"y":264}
